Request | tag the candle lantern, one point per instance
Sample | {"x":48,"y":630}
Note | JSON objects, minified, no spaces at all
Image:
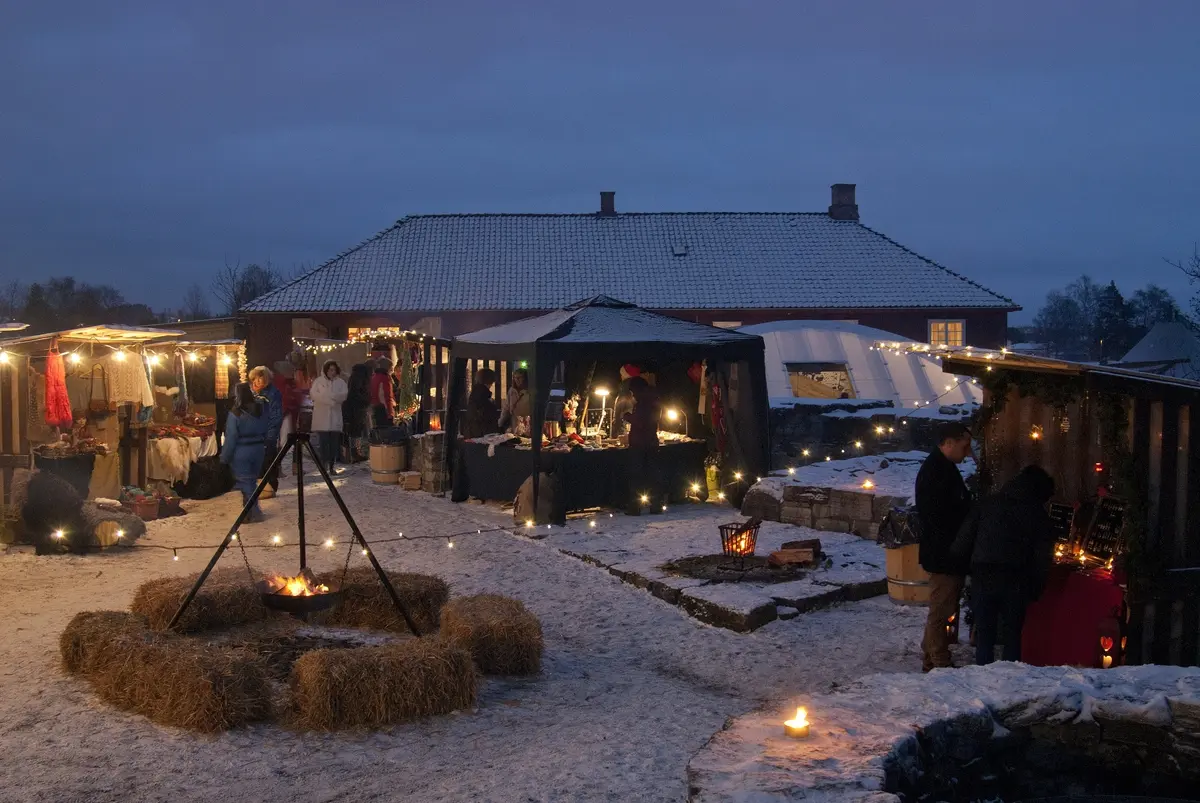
{"x":798,"y":726}
{"x":952,"y":628}
{"x":1108,"y":639}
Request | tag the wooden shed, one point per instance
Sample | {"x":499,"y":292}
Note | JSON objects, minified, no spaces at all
{"x":1107,"y":430}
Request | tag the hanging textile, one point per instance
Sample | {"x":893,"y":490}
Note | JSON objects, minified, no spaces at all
{"x":128,"y":382}
{"x":181,"y":400}
{"x":720,"y":429}
{"x":145,"y":414}
{"x":58,"y":402}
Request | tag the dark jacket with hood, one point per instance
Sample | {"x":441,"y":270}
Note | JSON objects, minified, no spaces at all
{"x":1009,"y":537}
{"x":943,"y":502}
{"x":483,"y":414}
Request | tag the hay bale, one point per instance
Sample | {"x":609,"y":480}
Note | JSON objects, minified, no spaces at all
{"x":227,"y":598}
{"x":52,"y":504}
{"x":502,"y":635}
{"x":372,"y":687}
{"x":365,"y":603}
{"x":171,"y":680}
{"x":105,"y":523}
{"x":88,"y":641}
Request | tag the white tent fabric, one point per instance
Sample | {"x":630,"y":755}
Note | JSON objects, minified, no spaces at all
{"x":909,"y":381}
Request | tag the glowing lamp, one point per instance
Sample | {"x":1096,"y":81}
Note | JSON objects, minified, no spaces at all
{"x":858,"y":444}
{"x":797,"y":727}
{"x":73,"y":357}
{"x":672,"y":414}
{"x":792,"y":470}
{"x":695,"y":488}
{"x":737,"y":475}
{"x":275,"y":539}
{"x":601,"y":392}
{"x":878,"y":430}
{"x":868,"y":485}
{"x":720,"y":494}
{"x":805,"y":452}
{"x":4,"y":357}
{"x":152,"y":359}
{"x":227,"y":360}
{"x":119,"y":356}
{"x":59,"y":534}
{"x":645,"y":499}
{"x":592,"y":523}
{"x":193,"y":357}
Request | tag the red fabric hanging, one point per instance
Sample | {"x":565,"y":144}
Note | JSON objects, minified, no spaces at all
{"x":58,"y":404}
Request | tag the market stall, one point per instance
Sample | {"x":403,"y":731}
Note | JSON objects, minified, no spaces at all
{"x":77,"y":404}
{"x":1126,"y":584}
{"x":718,"y":374}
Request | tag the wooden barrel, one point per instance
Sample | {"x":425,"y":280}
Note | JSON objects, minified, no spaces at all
{"x":387,"y":462}
{"x":908,"y":583}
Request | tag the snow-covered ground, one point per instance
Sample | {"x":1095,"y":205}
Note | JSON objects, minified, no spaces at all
{"x":631,"y":688}
{"x":890,"y":474}
{"x":644,"y":544}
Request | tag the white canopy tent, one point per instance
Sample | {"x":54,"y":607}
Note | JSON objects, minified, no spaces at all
{"x":910,"y":381}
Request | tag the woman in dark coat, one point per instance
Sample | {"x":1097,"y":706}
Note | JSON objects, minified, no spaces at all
{"x":356,"y":410}
{"x":483,"y":414}
{"x":1008,"y":540}
{"x":245,"y":433}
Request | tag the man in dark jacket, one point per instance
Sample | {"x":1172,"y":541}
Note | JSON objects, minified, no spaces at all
{"x":942,"y":504}
{"x":1008,"y":540}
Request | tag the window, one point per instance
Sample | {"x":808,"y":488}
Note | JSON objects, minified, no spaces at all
{"x":727,"y":324}
{"x":819,"y":380}
{"x":948,"y":333}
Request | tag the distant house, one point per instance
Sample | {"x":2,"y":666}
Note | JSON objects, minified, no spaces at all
{"x":450,"y":274}
{"x":1169,"y":349}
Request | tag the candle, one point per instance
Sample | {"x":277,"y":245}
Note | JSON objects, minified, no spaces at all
{"x":797,"y":728}
{"x":1106,"y":661}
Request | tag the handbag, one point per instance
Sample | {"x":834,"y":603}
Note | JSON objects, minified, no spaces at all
{"x":98,"y":405}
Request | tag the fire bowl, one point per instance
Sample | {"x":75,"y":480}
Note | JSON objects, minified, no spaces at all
{"x":288,"y":603}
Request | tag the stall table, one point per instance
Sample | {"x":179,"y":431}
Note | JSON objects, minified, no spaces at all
{"x":589,"y":478}
{"x":1062,"y":627}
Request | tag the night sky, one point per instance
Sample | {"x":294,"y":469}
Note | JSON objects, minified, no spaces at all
{"x":1020,"y":143}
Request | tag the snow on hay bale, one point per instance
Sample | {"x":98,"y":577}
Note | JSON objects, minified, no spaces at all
{"x":171,"y":680}
{"x":365,"y":602}
{"x":227,"y":598}
{"x":372,"y":687}
{"x":502,"y":636}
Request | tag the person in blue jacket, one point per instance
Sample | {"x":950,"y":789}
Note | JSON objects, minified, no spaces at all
{"x":262,"y":383}
{"x":246,"y":429}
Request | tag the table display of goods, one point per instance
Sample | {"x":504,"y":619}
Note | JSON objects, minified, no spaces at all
{"x":178,"y":431}
{"x":67,"y":449}
{"x":150,"y":505}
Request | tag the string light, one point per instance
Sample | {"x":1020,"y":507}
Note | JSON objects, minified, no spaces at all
{"x":174,"y":554}
{"x":720,"y":494}
{"x":592,"y":523}
{"x":805,"y":452}
{"x":858,"y":444}
{"x":791,"y":469}
{"x":275,"y":539}
{"x":449,"y":544}
{"x":645,"y":499}
{"x":329,"y":543}
{"x":119,"y":356}
{"x":695,"y":487}
{"x":737,"y":475}
{"x":120,"y":534}
{"x":59,"y":534}
{"x":74,"y":358}
{"x":4,"y":357}
{"x":364,"y":551}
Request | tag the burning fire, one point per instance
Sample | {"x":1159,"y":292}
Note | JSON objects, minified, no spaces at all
{"x":740,"y":544}
{"x":800,"y":720}
{"x":299,"y":586}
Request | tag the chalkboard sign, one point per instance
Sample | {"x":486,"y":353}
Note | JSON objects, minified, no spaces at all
{"x":1103,"y":537}
{"x":1062,"y":519}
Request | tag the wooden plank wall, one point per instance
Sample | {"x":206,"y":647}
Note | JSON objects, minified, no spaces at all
{"x":15,"y":451}
{"x":1163,"y":624}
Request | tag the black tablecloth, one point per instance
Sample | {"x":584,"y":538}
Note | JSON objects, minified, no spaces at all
{"x":589,"y":478}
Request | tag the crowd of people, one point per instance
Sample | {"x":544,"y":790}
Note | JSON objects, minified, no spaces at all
{"x":266,"y":411}
{"x":1004,"y":543}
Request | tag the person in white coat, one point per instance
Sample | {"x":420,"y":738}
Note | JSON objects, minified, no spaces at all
{"x":328,"y":391}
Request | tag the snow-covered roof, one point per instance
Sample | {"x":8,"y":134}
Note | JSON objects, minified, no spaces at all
{"x":107,"y":333}
{"x":908,"y":380}
{"x":1169,"y":349}
{"x":664,"y":261}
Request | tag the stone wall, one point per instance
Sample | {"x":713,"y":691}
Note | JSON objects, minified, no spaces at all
{"x":828,"y":509}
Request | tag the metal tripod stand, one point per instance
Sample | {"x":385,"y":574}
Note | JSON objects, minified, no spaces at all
{"x":298,"y":443}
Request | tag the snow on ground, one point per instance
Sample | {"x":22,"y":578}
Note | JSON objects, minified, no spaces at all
{"x":897,"y":478}
{"x":643,"y":544}
{"x":631,"y":687}
{"x":854,"y":728}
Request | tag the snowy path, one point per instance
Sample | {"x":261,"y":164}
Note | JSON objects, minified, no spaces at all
{"x":632,"y":687}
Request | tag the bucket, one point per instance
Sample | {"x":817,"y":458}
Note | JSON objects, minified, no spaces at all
{"x":908,"y":583}
{"x":387,"y":462}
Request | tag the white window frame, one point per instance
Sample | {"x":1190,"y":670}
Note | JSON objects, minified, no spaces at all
{"x":945,"y":340}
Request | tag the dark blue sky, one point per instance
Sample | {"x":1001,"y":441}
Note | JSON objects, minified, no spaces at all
{"x":1020,"y":143}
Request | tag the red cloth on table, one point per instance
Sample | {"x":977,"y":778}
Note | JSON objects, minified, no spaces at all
{"x":1062,"y":628}
{"x":58,"y":404}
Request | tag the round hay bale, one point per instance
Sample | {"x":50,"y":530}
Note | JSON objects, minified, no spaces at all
{"x":87,"y":643}
{"x":227,"y":598}
{"x":365,"y":602}
{"x":372,"y":687}
{"x":501,"y":634}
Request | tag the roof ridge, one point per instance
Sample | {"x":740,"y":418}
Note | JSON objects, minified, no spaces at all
{"x":322,"y":266}
{"x":599,"y":216}
{"x":956,"y":275}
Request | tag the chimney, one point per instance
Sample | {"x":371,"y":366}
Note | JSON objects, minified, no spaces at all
{"x":608,"y":204}
{"x":843,"y":206}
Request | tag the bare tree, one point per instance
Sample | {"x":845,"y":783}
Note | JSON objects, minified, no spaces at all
{"x":235,"y":285}
{"x":195,"y":304}
{"x":1191,"y":269}
{"x":12,"y":300}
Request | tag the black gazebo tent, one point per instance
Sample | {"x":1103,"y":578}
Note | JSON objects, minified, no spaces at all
{"x":602,"y":328}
